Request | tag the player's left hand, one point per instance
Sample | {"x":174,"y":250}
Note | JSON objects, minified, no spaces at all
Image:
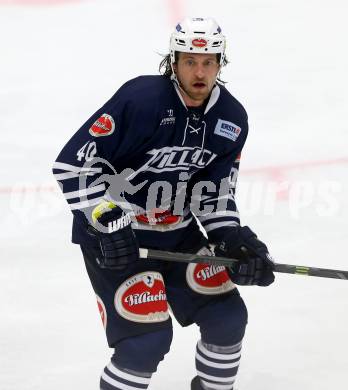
{"x":255,"y":266}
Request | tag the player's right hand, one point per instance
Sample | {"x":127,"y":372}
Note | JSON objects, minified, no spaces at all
{"x":112,"y":228}
{"x":255,"y":265}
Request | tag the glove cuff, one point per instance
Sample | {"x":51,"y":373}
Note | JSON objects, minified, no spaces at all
{"x":107,"y":217}
{"x":102,"y":208}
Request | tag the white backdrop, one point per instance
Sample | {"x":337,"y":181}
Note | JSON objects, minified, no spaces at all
{"x":288,"y":66}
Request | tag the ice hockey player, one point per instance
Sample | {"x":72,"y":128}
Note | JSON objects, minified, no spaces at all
{"x":160,"y":155}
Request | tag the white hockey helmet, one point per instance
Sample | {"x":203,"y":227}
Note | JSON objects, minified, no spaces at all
{"x":198,"y":35}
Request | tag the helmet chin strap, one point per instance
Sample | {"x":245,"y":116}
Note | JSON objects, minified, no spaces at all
{"x":176,"y":80}
{"x":180,"y":87}
{"x":173,"y":76}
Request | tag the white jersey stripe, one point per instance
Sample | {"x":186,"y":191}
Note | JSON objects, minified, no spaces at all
{"x":219,"y":214}
{"x":85,"y":204}
{"x":207,"y":200}
{"x":84,"y":192}
{"x":217,"y":225}
{"x":66,"y":175}
{"x":128,"y":377}
{"x":72,"y":175}
{"x":74,"y":168}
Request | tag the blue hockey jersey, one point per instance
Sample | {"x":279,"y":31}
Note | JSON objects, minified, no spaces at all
{"x":172,"y":164}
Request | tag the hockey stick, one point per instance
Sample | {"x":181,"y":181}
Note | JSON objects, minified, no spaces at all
{"x":153,"y":254}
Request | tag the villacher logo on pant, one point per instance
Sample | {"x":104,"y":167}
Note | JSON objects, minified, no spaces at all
{"x":142,"y":298}
{"x":208,"y":279}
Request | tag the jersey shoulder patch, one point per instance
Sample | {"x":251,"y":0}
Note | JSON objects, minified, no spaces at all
{"x":103,"y":126}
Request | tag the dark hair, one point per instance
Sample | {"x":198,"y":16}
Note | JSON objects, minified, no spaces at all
{"x":165,"y":67}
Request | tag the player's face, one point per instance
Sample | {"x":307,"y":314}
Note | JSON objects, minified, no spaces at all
{"x":196,"y":74}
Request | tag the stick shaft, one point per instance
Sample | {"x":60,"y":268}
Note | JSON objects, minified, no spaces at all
{"x":217,"y":260}
{"x":311,"y":271}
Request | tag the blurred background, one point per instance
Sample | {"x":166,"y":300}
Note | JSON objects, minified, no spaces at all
{"x":59,"y":62}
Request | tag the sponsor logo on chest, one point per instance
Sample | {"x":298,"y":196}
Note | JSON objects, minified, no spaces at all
{"x":227,"y":129}
{"x":159,"y":217}
{"x":178,"y":158}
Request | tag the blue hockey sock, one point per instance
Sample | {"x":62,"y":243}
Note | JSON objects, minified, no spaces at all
{"x":217,"y":366}
{"x":115,"y":378}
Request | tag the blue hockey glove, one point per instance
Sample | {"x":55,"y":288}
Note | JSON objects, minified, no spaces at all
{"x":255,"y":266}
{"x":112,"y":228}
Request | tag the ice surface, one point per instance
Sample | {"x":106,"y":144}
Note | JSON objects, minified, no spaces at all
{"x":289,"y":63}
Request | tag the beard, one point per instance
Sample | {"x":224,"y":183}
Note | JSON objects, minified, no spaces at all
{"x":198,"y":90}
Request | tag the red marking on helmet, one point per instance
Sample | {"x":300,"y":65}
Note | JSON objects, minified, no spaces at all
{"x":199,"y":42}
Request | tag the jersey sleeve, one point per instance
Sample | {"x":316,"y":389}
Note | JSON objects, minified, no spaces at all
{"x":213,"y":193}
{"x":106,"y":139}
